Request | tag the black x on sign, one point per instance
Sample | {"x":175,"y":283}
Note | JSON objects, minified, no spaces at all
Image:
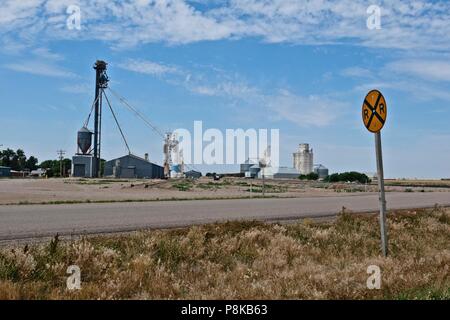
{"x":374,"y":111}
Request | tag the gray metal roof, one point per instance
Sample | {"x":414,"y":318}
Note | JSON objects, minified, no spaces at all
{"x":133,"y":156}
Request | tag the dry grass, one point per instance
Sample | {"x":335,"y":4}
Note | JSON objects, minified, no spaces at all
{"x":419,"y":183}
{"x":243,"y":260}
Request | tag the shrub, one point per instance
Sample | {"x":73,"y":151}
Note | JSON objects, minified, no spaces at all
{"x":348,"y":177}
{"x":183,"y":186}
{"x":311,"y":176}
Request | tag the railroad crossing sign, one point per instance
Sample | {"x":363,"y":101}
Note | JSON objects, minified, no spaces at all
{"x":374,"y":111}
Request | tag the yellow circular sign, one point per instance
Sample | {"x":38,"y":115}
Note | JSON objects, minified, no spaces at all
{"x":374,"y":111}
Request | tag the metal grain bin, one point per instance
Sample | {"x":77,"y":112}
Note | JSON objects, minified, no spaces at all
{"x":84,"y":140}
{"x":321,"y":171}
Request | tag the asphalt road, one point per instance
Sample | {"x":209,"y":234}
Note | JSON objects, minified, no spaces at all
{"x":35,"y":221}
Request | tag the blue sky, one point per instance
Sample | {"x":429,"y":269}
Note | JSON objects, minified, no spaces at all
{"x":301,"y":67}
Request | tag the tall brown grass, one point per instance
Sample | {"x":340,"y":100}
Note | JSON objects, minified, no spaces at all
{"x":243,"y":260}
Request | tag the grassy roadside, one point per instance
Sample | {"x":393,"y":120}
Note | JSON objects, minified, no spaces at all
{"x":418,"y":183}
{"x":243,"y":260}
{"x":59,"y":202}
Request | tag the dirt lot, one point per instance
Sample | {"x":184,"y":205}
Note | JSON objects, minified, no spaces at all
{"x":243,"y":260}
{"x":27,"y":191}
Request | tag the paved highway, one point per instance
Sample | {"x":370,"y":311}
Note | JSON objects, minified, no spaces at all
{"x":35,"y":221}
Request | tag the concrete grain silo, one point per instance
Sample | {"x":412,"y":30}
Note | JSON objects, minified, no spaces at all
{"x":304,"y":159}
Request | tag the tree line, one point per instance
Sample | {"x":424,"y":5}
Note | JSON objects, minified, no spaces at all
{"x":349,"y":177}
{"x":339,"y":177}
{"x":18,"y":161}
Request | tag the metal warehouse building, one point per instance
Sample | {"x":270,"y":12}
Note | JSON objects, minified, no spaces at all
{"x":5,"y":172}
{"x":279,"y":173}
{"x":131,"y":166}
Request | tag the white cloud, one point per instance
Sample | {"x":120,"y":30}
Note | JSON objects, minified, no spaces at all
{"x":39,"y":68}
{"x":225,"y":89}
{"x":357,"y":72}
{"x":304,"y":111}
{"x":15,"y":12}
{"x":11,"y":46}
{"x":408,"y":25}
{"x":213,"y":82}
{"x":433,"y":70}
{"x":277,"y":105}
{"x":148,"y":67}
{"x":45,"y":53}
{"x":77,"y":89}
{"x":419,"y":90}
{"x":425,"y":79}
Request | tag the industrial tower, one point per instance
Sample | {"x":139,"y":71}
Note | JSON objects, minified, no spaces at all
{"x":101,"y":82}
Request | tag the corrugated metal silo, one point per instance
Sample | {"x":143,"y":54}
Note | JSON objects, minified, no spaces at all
{"x":321,"y":171}
{"x":84,"y":140}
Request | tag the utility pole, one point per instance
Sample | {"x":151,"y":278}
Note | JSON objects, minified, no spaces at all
{"x":61,"y":154}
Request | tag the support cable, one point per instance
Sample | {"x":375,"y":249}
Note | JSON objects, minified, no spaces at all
{"x":117,"y":122}
{"x":90,"y":113}
{"x":136,"y":112}
{"x":140,"y":115}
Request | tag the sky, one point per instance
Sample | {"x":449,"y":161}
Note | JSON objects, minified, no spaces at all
{"x":303,"y":67}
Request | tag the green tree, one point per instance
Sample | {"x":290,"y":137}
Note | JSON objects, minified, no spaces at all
{"x":53,"y":167}
{"x":7,"y":157}
{"x":67,"y":165}
{"x":19,"y":160}
{"x":352,"y":176}
{"x":31,"y":163}
{"x":48,"y":165}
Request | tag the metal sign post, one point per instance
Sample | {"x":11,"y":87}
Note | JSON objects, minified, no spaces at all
{"x":382,"y":197}
{"x":264,"y":184}
{"x":374,"y":114}
{"x":263,"y":165}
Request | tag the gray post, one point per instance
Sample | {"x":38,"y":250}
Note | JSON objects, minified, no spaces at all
{"x":382,"y":197}
{"x":264,"y":184}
